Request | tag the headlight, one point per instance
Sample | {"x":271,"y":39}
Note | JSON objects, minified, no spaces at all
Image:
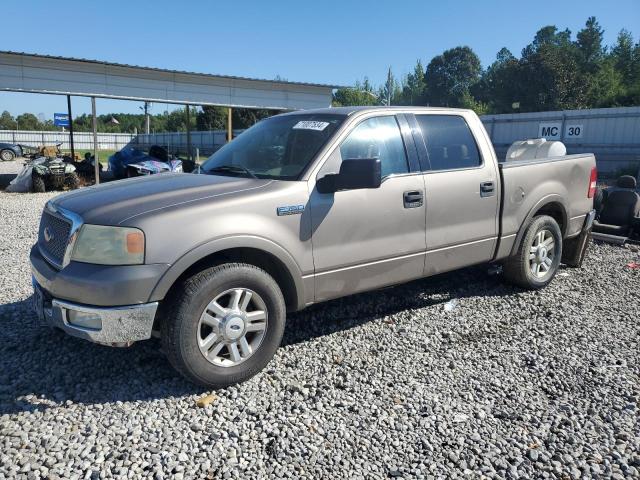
{"x":109,"y":245}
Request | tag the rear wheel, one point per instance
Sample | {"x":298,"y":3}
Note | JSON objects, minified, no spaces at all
{"x":7,"y":155}
{"x":39,"y":185}
{"x":224,"y":325}
{"x":538,"y":257}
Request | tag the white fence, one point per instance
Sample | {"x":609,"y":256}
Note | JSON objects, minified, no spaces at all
{"x":81,"y":140}
{"x":176,"y":142}
{"x":612,"y":134}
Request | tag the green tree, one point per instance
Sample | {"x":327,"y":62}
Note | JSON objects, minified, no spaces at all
{"x":211,"y":118}
{"x":7,"y":122}
{"x":550,"y":75}
{"x":360,"y":94}
{"x":589,"y":42}
{"x":626,"y":58}
{"x":177,"y":120}
{"x":450,"y":76}
{"x":413,"y":87}
{"x":605,"y":87}
{"x":498,"y":88}
{"x":28,"y":121}
{"x":390,"y":91}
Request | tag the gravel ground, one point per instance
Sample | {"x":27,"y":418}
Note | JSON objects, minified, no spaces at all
{"x":394,"y":383}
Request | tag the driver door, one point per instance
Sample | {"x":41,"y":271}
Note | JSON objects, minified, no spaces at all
{"x":369,"y":238}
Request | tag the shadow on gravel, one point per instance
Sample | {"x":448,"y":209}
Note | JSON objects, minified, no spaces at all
{"x":5,"y":179}
{"x":42,"y":367}
{"x":350,"y":312}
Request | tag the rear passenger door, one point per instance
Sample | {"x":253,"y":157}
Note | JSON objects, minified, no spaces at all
{"x":461,"y":191}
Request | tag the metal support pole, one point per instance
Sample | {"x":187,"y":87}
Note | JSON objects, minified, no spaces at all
{"x":146,"y":118}
{"x":73,"y":152}
{"x":95,"y":140}
{"x":229,"y":125}
{"x":189,"y":156}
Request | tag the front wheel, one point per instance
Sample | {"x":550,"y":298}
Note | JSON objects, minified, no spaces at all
{"x":7,"y":155}
{"x":39,"y":184}
{"x":224,"y":324}
{"x":538,"y":257}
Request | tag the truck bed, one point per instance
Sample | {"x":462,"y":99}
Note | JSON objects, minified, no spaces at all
{"x":527,"y":184}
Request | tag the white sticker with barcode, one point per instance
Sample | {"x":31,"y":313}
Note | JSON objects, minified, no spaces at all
{"x":310,"y":125}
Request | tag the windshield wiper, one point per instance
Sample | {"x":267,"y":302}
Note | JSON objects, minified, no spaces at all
{"x":232,"y":168}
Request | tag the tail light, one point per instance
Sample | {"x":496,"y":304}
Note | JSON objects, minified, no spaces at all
{"x":593,"y":179}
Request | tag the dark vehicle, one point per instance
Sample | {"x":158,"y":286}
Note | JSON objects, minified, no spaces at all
{"x":618,"y":210}
{"x":86,"y":167}
{"x":131,"y":162}
{"x":53,"y":174}
{"x":9,"y":151}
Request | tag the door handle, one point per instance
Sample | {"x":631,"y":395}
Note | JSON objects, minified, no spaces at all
{"x":413,"y":199}
{"x":487,"y":189}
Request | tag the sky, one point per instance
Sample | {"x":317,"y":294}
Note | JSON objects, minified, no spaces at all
{"x":333,"y":42}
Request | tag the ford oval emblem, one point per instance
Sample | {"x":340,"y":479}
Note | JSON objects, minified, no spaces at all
{"x":48,"y":236}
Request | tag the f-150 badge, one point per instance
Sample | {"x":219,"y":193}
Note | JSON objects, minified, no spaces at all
{"x":290,"y":210}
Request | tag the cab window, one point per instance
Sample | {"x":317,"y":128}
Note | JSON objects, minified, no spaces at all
{"x":377,"y":137}
{"x":450,"y":143}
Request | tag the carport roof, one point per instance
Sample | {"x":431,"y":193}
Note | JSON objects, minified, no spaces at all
{"x":35,"y":73}
{"x":166,"y":70}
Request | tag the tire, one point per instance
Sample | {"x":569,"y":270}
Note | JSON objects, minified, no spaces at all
{"x":575,"y":249}
{"x":39,"y":185}
{"x":7,"y":155}
{"x":518,"y":269}
{"x":189,"y":311}
{"x":72,"y":181}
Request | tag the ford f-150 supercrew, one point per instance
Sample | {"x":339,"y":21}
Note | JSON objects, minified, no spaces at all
{"x":301,"y":208}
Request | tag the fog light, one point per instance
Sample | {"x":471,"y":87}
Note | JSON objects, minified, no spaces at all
{"x":86,"y":320}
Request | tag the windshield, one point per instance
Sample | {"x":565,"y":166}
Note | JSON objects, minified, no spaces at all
{"x":279,"y":147}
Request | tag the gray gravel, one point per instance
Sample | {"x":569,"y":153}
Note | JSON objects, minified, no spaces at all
{"x":506,"y":383}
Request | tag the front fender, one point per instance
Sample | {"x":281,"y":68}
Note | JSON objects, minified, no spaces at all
{"x":215,"y":246}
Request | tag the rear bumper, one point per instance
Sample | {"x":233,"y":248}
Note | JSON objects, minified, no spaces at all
{"x":115,"y":326}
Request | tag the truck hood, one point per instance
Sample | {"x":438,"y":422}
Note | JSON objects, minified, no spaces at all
{"x":113,"y":203}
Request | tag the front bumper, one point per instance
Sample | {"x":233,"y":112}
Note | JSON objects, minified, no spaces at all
{"x":115,"y":326}
{"x":100,"y":285}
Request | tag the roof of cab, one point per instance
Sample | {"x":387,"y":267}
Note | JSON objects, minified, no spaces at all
{"x":351,"y":110}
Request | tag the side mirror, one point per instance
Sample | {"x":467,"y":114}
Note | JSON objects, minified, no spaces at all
{"x":355,"y":174}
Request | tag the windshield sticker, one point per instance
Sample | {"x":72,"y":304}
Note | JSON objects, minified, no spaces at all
{"x":310,"y":125}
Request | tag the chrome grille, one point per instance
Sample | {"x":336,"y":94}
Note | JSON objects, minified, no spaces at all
{"x":53,"y":237}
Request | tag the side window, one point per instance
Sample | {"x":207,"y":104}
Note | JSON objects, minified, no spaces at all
{"x":377,"y":137}
{"x":450,"y":143}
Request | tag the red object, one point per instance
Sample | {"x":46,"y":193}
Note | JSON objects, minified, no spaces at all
{"x":593,"y":180}
{"x":633,"y":265}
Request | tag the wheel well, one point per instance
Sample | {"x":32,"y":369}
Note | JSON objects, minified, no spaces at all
{"x":261,"y":259}
{"x":556,"y":211}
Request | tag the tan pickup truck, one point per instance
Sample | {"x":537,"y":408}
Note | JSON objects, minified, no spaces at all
{"x":301,"y":208}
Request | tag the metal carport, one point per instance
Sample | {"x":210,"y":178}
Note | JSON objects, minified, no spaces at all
{"x":32,"y":73}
